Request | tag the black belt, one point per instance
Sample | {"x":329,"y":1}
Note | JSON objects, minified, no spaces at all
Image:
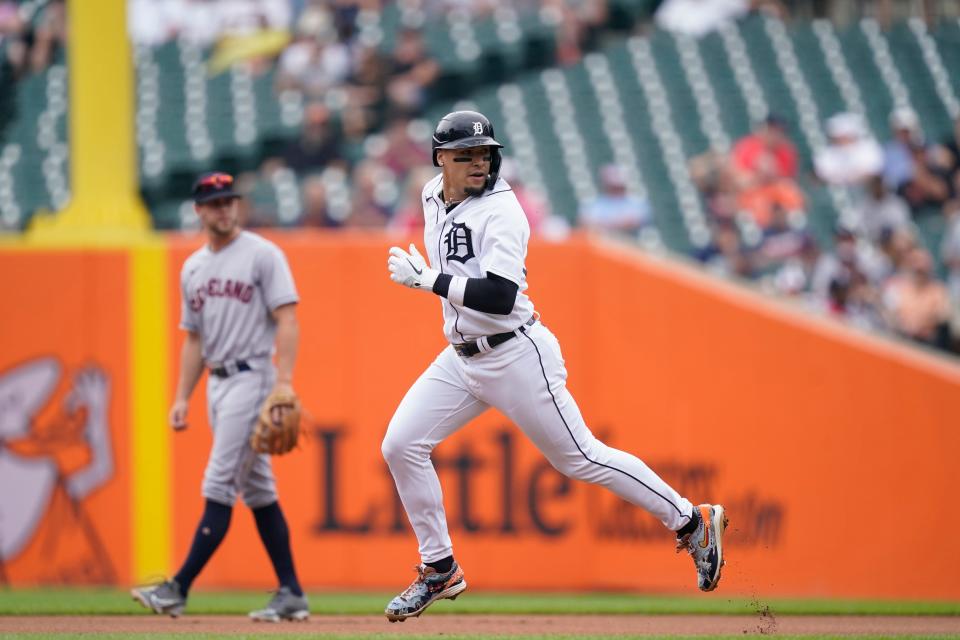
{"x":229,"y":368}
{"x":470,"y":349}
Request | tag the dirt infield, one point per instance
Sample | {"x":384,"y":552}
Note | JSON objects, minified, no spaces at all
{"x":453,"y":625}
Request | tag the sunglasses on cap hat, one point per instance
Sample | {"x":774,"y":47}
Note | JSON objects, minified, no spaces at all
{"x":212,"y":186}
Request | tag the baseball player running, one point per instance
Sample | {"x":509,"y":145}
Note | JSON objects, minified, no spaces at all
{"x":238,"y":301}
{"x":500,"y":355}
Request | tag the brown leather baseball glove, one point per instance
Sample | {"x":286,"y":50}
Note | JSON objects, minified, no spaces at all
{"x":278,"y":427}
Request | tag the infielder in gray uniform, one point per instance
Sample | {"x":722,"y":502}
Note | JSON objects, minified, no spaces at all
{"x":500,"y":355}
{"x":239,"y":300}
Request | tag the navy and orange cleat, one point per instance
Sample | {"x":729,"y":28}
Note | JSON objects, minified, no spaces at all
{"x":705,"y":544}
{"x":429,"y":587}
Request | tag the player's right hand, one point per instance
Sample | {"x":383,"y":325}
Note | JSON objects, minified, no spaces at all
{"x":178,"y":415}
{"x":410,"y":269}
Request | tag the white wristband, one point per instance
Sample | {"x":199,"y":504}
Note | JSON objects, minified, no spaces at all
{"x":458,"y":286}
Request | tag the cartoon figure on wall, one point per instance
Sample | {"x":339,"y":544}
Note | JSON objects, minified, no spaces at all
{"x":55,"y":451}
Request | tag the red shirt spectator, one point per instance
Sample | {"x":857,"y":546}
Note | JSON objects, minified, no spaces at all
{"x":767,"y":145}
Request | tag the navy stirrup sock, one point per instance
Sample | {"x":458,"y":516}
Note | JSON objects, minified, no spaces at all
{"x":210,"y":533}
{"x":691,"y":526}
{"x":275,"y":535}
{"x":442,"y":565}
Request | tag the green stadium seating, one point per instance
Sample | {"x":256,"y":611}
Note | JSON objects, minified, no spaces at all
{"x":235,"y":119}
{"x":908,"y":58}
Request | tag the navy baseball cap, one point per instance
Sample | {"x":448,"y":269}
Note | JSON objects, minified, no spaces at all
{"x":212,"y":186}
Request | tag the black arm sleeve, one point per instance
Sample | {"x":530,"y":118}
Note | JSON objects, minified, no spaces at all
{"x":493,"y":294}
{"x":441,"y":286}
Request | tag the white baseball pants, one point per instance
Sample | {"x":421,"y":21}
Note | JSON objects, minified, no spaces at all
{"x":233,"y":467}
{"x":525,"y":379}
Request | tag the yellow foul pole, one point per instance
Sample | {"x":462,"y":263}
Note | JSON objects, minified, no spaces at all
{"x":106,"y":212}
{"x":105,"y":206}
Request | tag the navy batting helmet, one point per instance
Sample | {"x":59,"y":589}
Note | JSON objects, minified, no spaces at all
{"x":464,"y":129}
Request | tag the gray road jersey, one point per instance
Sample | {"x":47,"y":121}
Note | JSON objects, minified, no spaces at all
{"x":227,"y":297}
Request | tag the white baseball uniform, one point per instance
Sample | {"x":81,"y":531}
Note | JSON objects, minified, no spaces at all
{"x":523,"y":377}
{"x":227,"y":298}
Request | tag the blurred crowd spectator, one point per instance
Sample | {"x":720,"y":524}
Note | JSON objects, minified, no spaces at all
{"x":851,"y":154}
{"x":31,"y":34}
{"x":700,"y":17}
{"x":615,"y":209}
{"x":874,"y":271}
{"x":756,"y":180}
{"x":203,"y":22}
{"x":915,"y":170}
{"x":765,"y":170}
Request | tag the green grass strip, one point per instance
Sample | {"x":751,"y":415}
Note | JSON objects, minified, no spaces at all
{"x":284,"y":636}
{"x":112,"y":601}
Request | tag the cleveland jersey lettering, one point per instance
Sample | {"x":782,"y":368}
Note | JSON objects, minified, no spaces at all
{"x":215,"y":288}
{"x":225,"y":293}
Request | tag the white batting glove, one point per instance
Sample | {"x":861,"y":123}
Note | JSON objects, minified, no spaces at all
{"x":410,"y":269}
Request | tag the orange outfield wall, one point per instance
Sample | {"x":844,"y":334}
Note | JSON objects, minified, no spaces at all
{"x":832,"y":451}
{"x":64,"y":418}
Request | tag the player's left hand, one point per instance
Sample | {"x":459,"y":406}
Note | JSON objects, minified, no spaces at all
{"x":278,"y":425}
{"x":410,"y":269}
